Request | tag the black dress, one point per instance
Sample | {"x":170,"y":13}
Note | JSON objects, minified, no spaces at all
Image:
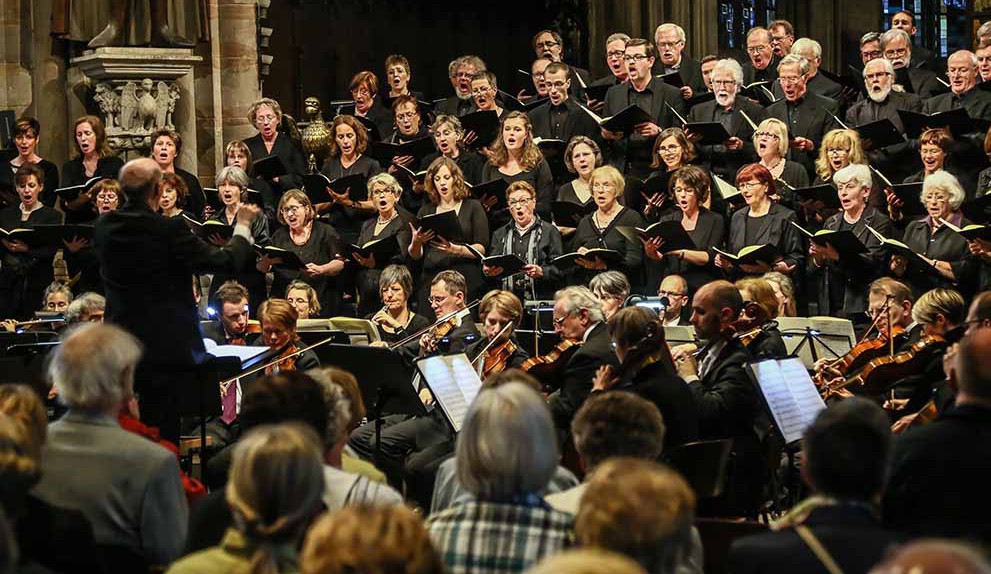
{"x":591,"y":236}
{"x":540,"y":178}
{"x":709,"y":232}
{"x":24,"y":276}
{"x":291,"y":157}
{"x":322,"y":246}
{"x":944,"y":245}
{"x":196,"y":199}
{"x":74,"y":173}
{"x":346,"y":220}
{"x":775,"y":227}
{"x":367,"y":280}
{"x":47,"y":195}
{"x":249,"y":276}
{"x":476,"y":227}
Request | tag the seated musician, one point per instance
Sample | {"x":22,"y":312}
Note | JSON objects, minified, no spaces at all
{"x":278,"y":325}
{"x":56,"y":299}
{"x":231,"y":326}
{"x":941,"y":313}
{"x":675,"y":288}
{"x":843,"y":280}
{"x":726,"y":400}
{"x":578,"y":316}
{"x":402,"y":434}
{"x":536,"y":241}
{"x":395,"y":319}
{"x":766,"y":342}
{"x":611,"y":288}
{"x":89,"y":307}
{"x":647,"y":369}
{"x":304,"y":298}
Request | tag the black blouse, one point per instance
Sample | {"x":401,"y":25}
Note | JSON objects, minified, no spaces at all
{"x":347,"y":220}
{"x":709,"y":232}
{"x":540,"y":178}
{"x":776,"y":227}
{"x":290,"y":155}
{"x":944,"y":245}
{"x":322,"y":246}
{"x":47,"y":194}
{"x":590,"y":235}
{"x":74,"y":173}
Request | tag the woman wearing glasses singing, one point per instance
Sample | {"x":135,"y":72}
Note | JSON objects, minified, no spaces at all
{"x":771,"y":142}
{"x":266,"y":116}
{"x":315,"y":243}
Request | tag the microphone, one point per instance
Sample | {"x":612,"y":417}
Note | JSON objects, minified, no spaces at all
{"x":662,"y":305}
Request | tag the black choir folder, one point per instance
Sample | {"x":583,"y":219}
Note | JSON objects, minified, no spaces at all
{"x":843,"y":240}
{"x":610,"y":257}
{"x":622,"y":121}
{"x":485,"y":124}
{"x":55,"y":234}
{"x":511,"y":264}
{"x":879,"y":134}
{"x":790,"y":395}
{"x":418,"y":148}
{"x":825,"y":193}
{"x":287,"y":259}
{"x":71,"y":192}
{"x":915,"y":260}
{"x":454,"y":384}
{"x":209,"y":228}
{"x":971,"y":231}
{"x":383,"y":249}
{"x":493,"y":188}
{"x":269,"y":167}
{"x":445,"y":224}
{"x":752,"y":254}
{"x":316,"y":184}
{"x":673,"y":235}
{"x":978,"y":209}
{"x":957,"y":120}
{"x":569,"y":213}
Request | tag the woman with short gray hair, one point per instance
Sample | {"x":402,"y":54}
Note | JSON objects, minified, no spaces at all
{"x":506,"y":453}
{"x":611,"y":288}
{"x":390,"y":227}
{"x":942,"y":249}
{"x":232,"y":191}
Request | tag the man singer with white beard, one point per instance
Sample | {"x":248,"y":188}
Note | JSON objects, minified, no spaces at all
{"x":725,"y":159}
{"x":883,"y":101}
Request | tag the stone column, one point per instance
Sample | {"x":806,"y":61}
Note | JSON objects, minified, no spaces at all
{"x":15,"y":55}
{"x":238,"y":66}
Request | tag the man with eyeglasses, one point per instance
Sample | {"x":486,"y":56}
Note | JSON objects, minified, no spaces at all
{"x":549,"y":44}
{"x":675,"y":289}
{"x":460,"y":71}
{"x":922,"y":57}
{"x":578,"y":317}
{"x":968,"y":157}
{"x":615,"y":51}
{"x":762,"y":66}
{"x":782,"y":37}
{"x":631,"y":152}
{"x":808,"y":116}
{"x":727,"y":158}
{"x":896,"y":45}
{"x":814,"y":81}
{"x":560,"y":117}
{"x":896,"y":161}
{"x":670,"y":41}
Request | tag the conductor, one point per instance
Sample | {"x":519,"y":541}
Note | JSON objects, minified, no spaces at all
{"x":147,"y":262}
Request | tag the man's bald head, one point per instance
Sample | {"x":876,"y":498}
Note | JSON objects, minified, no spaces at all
{"x":974,"y":364}
{"x":139,"y":179}
{"x":934,"y":557}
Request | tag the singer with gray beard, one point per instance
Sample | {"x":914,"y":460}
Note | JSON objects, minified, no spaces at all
{"x":727,"y":158}
{"x":884,"y":99}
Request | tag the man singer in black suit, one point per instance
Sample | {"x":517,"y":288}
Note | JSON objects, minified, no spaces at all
{"x":147,"y":262}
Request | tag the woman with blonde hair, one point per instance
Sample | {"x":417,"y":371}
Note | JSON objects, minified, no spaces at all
{"x":515,"y":157}
{"x":761,"y":306}
{"x":265,"y":115}
{"x":274,"y":492}
{"x":771,"y":143}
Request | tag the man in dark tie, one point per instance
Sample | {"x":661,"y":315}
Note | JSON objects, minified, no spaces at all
{"x":808,"y":116}
{"x":670,"y":41}
{"x":967,"y":158}
{"x":727,"y":158}
{"x":896,"y":161}
{"x":897,"y":48}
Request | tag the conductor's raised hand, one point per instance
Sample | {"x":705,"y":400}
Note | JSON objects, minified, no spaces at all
{"x":247,"y":213}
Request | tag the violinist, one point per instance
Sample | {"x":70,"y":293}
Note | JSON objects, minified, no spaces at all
{"x":395,"y":319}
{"x":760,"y":333}
{"x":278,"y":325}
{"x":447,"y":295}
{"x":647,"y":369}
{"x":500,"y":312}
{"x":578,"y":316}
{"x":231,"y":326}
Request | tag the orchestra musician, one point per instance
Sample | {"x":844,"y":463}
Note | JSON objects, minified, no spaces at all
{"x":391,"y":224}
{"x":304,"y":298}
{"x":447,"y":192}
{"x":145,"y":257}
{"x":766,"y":342}
{"x":232,"y":187}
{"x":647,"y":369}
{"x":278,"y":328}
{"x":612,"y":289}
{"x":395,"y":320}
{"x":25,"y":270}
{"x":26,"y":135}
{"x":166,"y":145}
{"x":843,"y":280}
{"x":535,"y":241}
{"x":231,"y":325}
{"x":265,"y":115}
{"x":501,"y":313}
{"x":92,"y":157}
{"x":675,"y":289}
{"x":315,"y":243}
{"x":56,"y":298}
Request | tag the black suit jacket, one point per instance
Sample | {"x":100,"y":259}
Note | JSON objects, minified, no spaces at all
{"x":455,"y":106}
{"x":939,"y":477}
{"x":811,"y":120}
{"x":966,"y":158}
{"x":577,"y":123}
{"x":851,"y":534}
{"x":896,"y":161}
{"x":576,"y":383}
{"x":673,"y":398}
{"x":922,"y":82}
{"x":147,"y":262}
{"x":290,"y":155}
{"x":662,"y":96}
{"x":722,"y":161}
{"x":725,"y":398}
{"x":845,"y":282}
{"x":690,"y":71}
{"x":768,"y":74}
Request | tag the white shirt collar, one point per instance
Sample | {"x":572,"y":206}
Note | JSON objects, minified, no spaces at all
{"x":589,"y":330}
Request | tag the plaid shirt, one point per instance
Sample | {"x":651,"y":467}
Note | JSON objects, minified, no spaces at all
{"x":493,"y":538}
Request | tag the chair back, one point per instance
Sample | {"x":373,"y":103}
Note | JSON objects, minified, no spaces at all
{"x":703,"y":464}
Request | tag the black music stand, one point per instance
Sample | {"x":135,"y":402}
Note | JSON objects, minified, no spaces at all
{"x":538,"y":322}
{"x":27,"y":363}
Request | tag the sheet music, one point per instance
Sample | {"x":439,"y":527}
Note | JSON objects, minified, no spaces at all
{"x":454,"y":384}
{"x":244,"y":353}
{"x":790,"y":395}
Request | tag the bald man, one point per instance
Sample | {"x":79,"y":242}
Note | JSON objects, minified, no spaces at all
{"x":940,"y":472}
{"x":147,"y":262}
{"x":675,"y":288}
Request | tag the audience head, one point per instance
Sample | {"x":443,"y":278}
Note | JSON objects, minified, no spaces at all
{"x":370,"y":539}
{"x":973,"y":367}
{"x":303,"y":297}
{"x":611,"y":288}
{"x":846,"y":450}
{"x":94,"y":367}
{"x":20,"y":467}
{"x":587,"y":561}
{"x":640,"y":509}
{"x":934,"y":556}
{"x":576,"y":309}
{"x":715,"y":306}
{"x":90,"y":137}
{"x":87,"y":308}
{"x":287,"y":396}
{"x":340,"y":424}
{"x":275,"y":489}
{"x":56,"y":298}
{"x":617,"y":423}
{"x":23,"y":405}
{"x":507,"y":447}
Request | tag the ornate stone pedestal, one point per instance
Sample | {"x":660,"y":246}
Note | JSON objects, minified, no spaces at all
{"x":140,"y":90}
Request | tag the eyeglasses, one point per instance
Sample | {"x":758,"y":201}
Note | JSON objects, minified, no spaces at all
{"x":935,"y":197}
{"x":668,"y":149}
{"x":438,"y":299}
{"x":290,"y":209}
{"x":873,"y":54}
{"x":767,"y":135}
{"x":264,"y":119}
{"x":615,"y":54}
{"x":382,"y":192}
{"x":480,"y":91}
{"x":663,"y":293}
{"x":723,"y":82}
{"x":360,"y":92}
{"x":789,"y":79}
{"x":560,"y":320}
{"x":750,"y":185}
{"x":515,"y":202}
{"x":757,"y":49}
{"x":548,"y":44}
{"x":636,"y":57}
{"x":406,"y":115}
{"x":896,"y":52}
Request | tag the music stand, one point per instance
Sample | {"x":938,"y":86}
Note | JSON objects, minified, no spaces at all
{"x":27,"y":363}
{"x":8,"y":340}
{"x":538,"y":321}
{"x":312,"y":337}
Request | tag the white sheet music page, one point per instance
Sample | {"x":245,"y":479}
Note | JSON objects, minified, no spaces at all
{"x":454,"y":384}
{"x":790,"y":394}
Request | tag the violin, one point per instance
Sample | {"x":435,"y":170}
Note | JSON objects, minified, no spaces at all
{"x":545,"y":367}
{"x":286,"y":360}
{"x":286,"y":356}
{"x":879,"y":372}
{"x":254,"y":327}
{"x":494,"y":356}
{"x":440,"y":328}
